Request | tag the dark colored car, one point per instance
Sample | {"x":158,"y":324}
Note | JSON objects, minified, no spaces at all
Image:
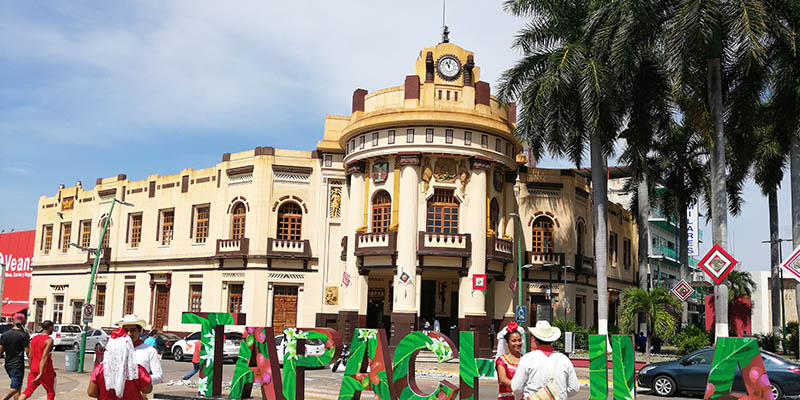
{"x":164,"y":342}
{"x":690,"y":374}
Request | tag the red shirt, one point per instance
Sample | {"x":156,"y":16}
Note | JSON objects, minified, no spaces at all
{"x":37,"y":349}
{"x":196,"y":354}
{"x":505,"y":362}
{"x":133,"y":389}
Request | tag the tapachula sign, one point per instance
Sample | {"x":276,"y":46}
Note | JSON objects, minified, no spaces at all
{"x":392,"y":377}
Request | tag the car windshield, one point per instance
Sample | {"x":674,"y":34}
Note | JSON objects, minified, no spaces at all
{"x":170,"y":336}
{"x":70,"y":329}
{"x":314,"y":342}
{"x":772,"y":357}
{"x":233,"y":336}
{"x":703,"y":357}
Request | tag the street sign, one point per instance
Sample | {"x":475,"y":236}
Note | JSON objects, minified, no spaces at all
{"x":792,"y":264}
{"x":88,"y":313}
{"x":479,"y":282}
{"x":513,"y":284}
{"x":522,"y":314}
{"x":693,"y":230}
{"x":405,"y":278}
{"x":345,"y":279}
{"x":682,"y":290}
{"x":717,"y":264}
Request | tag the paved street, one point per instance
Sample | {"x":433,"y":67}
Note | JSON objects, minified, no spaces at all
{"x":320,"y":384}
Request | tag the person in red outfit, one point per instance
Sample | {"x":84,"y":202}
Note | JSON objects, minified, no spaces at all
{"x":42,"y":372}
{"x":119,"y":377}
{"x":509,"y":347}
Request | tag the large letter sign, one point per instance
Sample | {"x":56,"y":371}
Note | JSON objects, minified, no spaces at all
{"x":257,"y":363}
{"x":468,"y":372}
{"x":598,"y":368}
{"x":405,"y":383}
{"x":295,"y":361}
{"x":744,"y":353}
{"x":368,"y":345}
{"x":623,"y":367}
{"x":212,"y":332}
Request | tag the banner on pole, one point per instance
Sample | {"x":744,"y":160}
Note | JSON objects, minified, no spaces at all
{"x":692,"y":230}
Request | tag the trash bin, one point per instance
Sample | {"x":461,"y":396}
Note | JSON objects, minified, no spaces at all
{"x":71,"y":361}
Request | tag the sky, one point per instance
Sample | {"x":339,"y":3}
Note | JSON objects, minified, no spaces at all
{"x":95,"y":89}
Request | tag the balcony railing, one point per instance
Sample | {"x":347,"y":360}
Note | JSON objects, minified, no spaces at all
{"x":233,"y":247}
{"x":105,"y":258}
{"x":444,"y":244}
{"x":584,"y":264}
{"x":540,"y":260}
{"x":291,"y":249}
{"x":499,"y":250}
{"x":376,"y":244}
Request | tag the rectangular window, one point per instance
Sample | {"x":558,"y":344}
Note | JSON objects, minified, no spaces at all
{"x":468,"y":138}
{"x":626,"y":253}
{"x":195,"y":297}
{"x":612,"y":249}
{"x":167,"y":226}
{"x":77,"y":311}
{"x":428,"y":135}
{"x":129,"y":296}
{"x":328,"y":160}
{"x":508,"y":149}
{"x":58,"y":308}
{"x":100,"y":307}
{"x":410,"y":136}
{"x":135,"y":232}
{"x":66,"y":236}
{"x":361,"y":140}
{"x":86,"y":233}
{"x":391,"y":136}
{"x":442,"y":213}
{"x":375,"y":139}
{"x":235,"y":297}
{"x":497,"y":147}
{"x":39,"y":317}
{"x":448,"y":136}
{"x":47,"y":238}
{"x":485,"y":141}
{"x":202,"y":214}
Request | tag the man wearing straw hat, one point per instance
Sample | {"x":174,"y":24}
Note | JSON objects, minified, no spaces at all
{"x":543,"y":373}
{"x":147,"y":356}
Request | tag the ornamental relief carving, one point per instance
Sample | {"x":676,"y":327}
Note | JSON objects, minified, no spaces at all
{"x":427,"y":174}
{"x":336,"y":202}
{"x":463,"y":175}
{"x":445,"y":170}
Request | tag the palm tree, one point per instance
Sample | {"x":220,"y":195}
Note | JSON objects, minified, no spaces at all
{"x":709,"y":39}
{"x":567,"y":101}
{"x":655,"y":306}
{"x":742,"y":284}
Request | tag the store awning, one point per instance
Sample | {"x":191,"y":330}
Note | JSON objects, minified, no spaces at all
{"x":10,"y":309}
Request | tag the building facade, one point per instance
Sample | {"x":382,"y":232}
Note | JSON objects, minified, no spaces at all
{"x":406,"y":208}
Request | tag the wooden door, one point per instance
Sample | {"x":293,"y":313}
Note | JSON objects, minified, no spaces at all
{"x":284,"y":308}
{"x":162,"y":307}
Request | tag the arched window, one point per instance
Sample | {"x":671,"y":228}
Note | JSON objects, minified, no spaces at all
{"x":238,"y":221}
{"x":290,"y":220}
{"x":381,"y":211}
{"x":543,"y":235}
{"x":581,"y":237}
{"x":100,"y":225}
{"x":442,"y":216}
{"x":494,"y":215}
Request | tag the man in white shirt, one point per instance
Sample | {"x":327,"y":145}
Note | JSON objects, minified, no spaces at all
{"x":543,"y":366}
{"x":147,"y":356}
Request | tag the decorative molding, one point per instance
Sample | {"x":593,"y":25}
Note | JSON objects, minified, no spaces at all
{"x":240,"y":170}
{"x":409,"y":158}
{"x":356,"y":167}
{"x":291,"y":169}
{"x":481,"y":163}
{"x":238,"y":199}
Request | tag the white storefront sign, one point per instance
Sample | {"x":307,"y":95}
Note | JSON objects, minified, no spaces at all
{"x":692,"y":230}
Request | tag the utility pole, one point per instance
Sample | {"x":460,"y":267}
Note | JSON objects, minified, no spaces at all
{"x":779,"y":241}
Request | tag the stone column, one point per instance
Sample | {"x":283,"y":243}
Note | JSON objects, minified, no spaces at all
{"x":348,"y":312}
{"x":472,"y":303}
{"x":404,"y":314}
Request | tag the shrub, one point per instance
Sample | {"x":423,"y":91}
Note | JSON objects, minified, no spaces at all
{"x":581,"y":333}
{"x":691,"y":338}
{"x":768,"y":342}
{"x":792,"y":336}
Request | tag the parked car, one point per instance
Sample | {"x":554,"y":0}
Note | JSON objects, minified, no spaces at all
{"x":165,"y":341}
{"x":314,"y":347}
{"x":66,"y":335}
{"x":690,"y":374}
{"x":184,"y":348}
{"x":95,"y":339}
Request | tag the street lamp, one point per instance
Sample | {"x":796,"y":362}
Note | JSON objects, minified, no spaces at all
{"x":518,"y":238}
{"x":780,"y":259}
{"x":97,"y":253}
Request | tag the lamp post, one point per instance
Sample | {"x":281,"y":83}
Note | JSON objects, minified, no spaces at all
{"x":518,"y":238}
{"x":780,"y":258}
{"x":97,"y":253}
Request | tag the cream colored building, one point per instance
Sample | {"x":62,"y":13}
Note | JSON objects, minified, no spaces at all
{"x":403,"y":206}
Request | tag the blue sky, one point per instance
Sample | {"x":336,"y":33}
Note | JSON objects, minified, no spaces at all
{"x":94,"y":89}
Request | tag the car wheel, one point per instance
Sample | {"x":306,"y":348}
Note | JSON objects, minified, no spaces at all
{"x":777,"y":392}
{"x":664,"y":386}
{"x":177,"y":354}
{"x":76,"y":346}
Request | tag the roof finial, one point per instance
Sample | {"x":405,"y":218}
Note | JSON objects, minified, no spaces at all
{"x":445,"y":29}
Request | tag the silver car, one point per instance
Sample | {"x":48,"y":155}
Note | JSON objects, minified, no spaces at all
{"x":65,"y":335}
{"x":96,"y":339}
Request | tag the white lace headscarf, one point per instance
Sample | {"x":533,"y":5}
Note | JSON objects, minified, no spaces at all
{"x":119,"y":363}
{"x":502,"y":346}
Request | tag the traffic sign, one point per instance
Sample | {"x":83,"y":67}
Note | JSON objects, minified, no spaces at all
{"x":717,"y":264}
{"x":522,"y":314}
{"x":88,"y":313}
{"x":682,"y":290}
{"x":345,"y":279}
{"x":513,"y":284}
{"x":792,"y":264}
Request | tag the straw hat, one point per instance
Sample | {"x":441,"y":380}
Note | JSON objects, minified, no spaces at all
{"x":132,"y":319}
{"x":544,"y":332}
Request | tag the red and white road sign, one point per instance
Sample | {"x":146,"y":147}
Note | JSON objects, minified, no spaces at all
{"x":346,"y":279}
{"x":717,"y":263}
{"x":682,"y":290}
{"x":513,"y":284}
{"x":792,"y":264}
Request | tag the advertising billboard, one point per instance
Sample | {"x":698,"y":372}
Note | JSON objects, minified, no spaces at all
{"x":16,"y":252}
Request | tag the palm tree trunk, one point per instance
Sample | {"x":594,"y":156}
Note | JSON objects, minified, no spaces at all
{"x":795,"y":174}
{"x":684,"y":255}
{"x":719,"y":196}
{"x":643,"y":226}
{"x":775,"y":261}
{"x":647,"y":349}
{"x":600,"y":215}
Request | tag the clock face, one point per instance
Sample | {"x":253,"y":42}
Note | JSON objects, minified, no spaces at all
{"x":449,"y":67}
